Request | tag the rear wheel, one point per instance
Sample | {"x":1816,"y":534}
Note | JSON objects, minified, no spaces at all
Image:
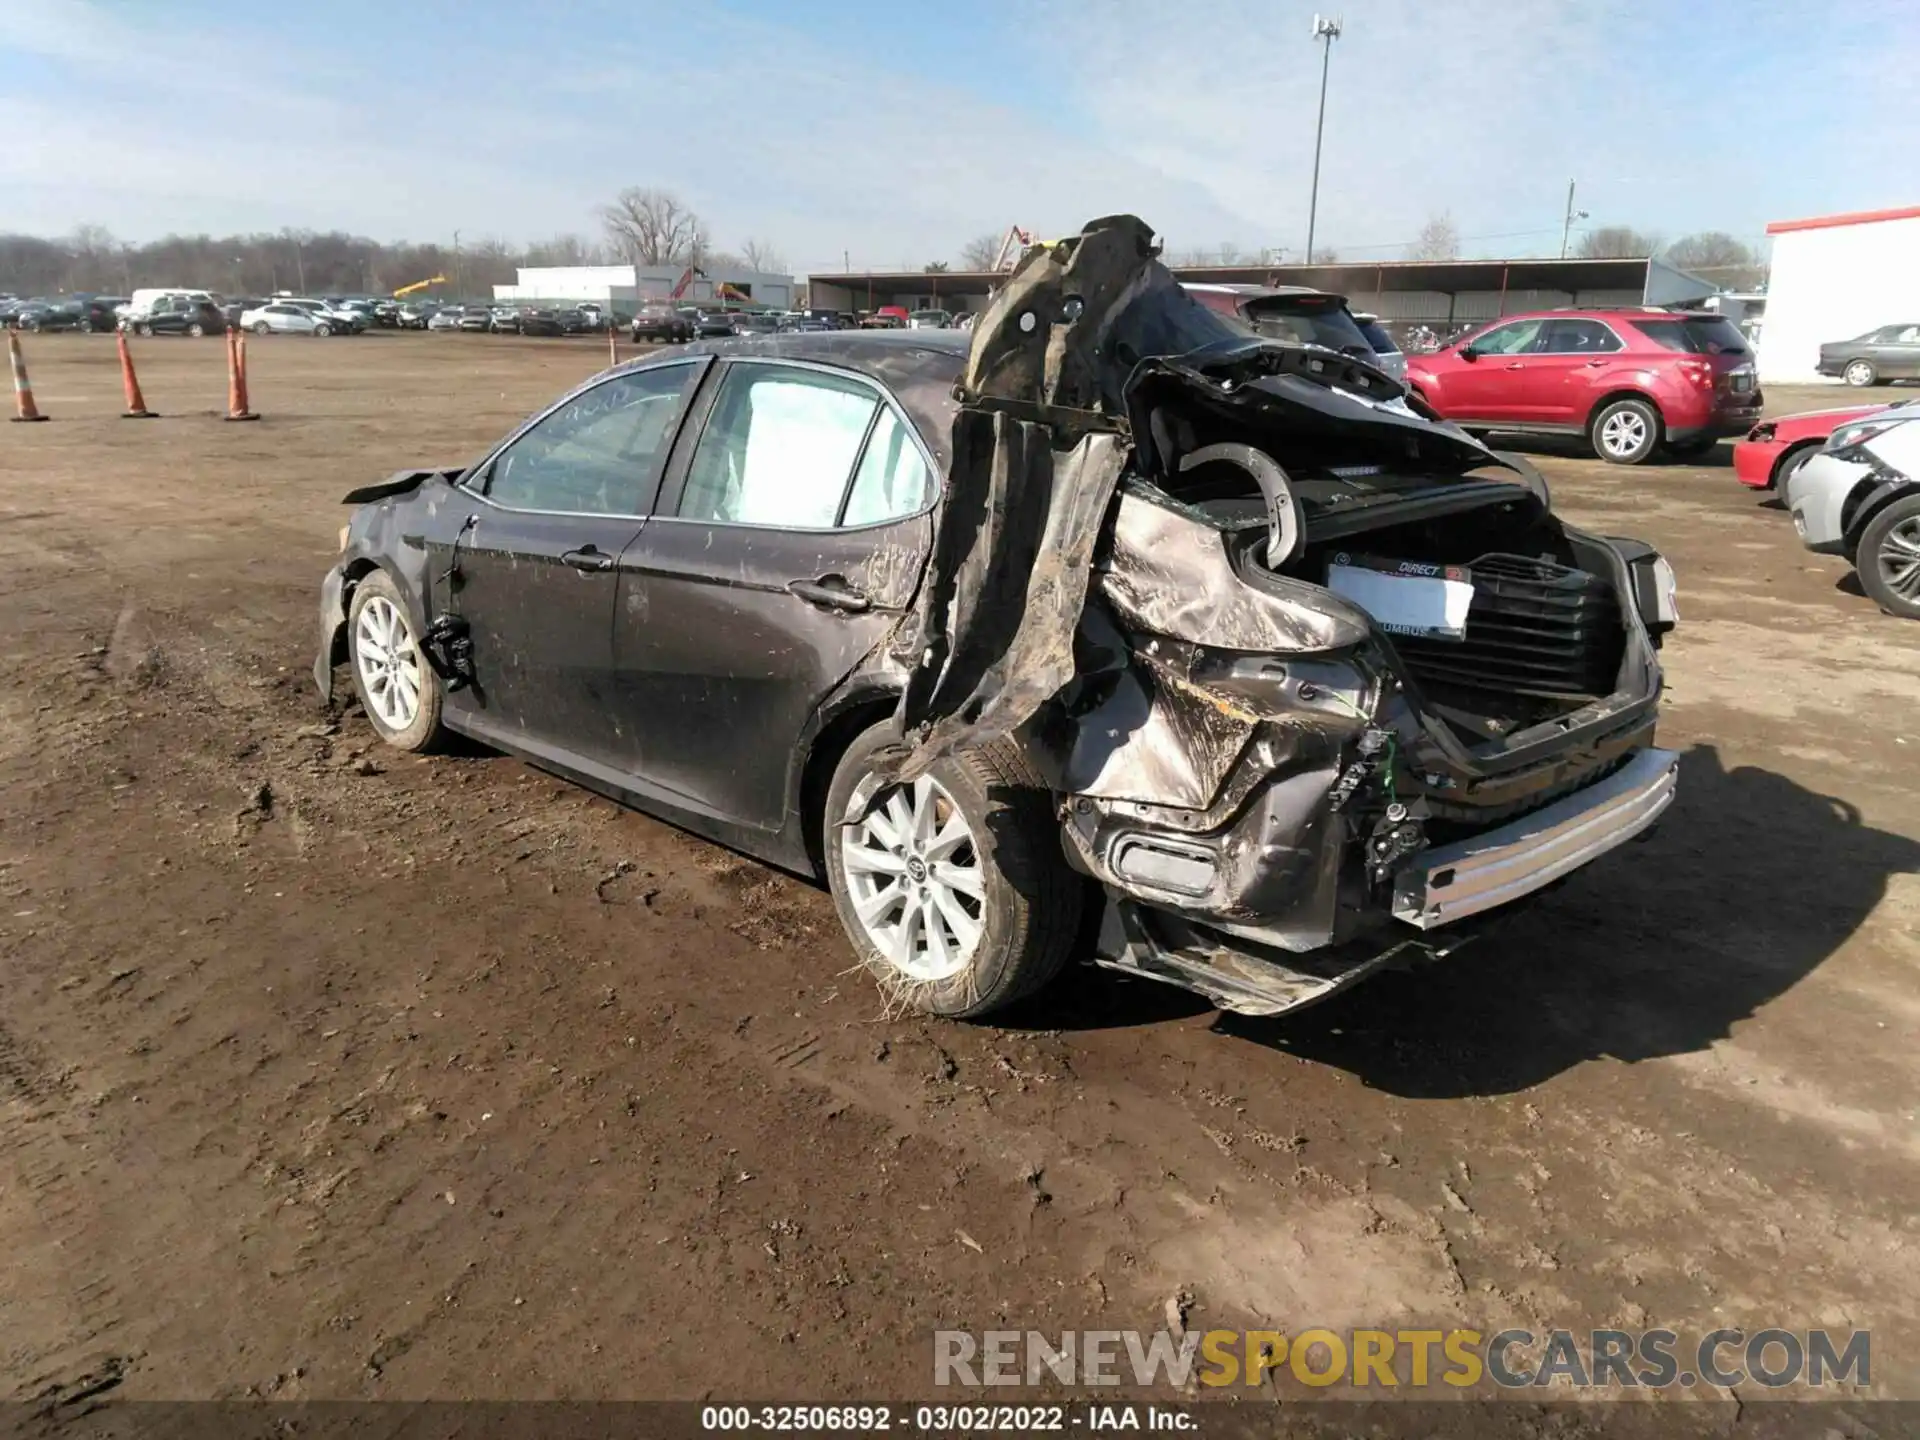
{"x":323,"y":329}
{"x":143,"y":329}
{"x":1889,"y":558}
{"x":261,"y":327}
{"x":196,"y":330}
{"x":1626,"y":432}
{"x":1860,"y":374}
{"x":953,"y":889}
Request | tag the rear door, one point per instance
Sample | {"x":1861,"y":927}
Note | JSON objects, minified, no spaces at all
{"x":789,"y":543}
{"x":1900,"y":352}
{"x":1559,"y":381}
{"x":534,"y":567}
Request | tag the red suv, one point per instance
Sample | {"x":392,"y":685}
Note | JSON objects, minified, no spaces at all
{"x":1631,"y":381}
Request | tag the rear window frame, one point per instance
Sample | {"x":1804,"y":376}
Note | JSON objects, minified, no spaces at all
{"x":1652,"y":328}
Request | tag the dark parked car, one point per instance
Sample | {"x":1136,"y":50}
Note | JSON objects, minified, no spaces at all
{"x":1283,"y":726}
{"x":576,"y":321}
{"x":1289,"y":312}
{"x":662,"y":325}
{"x":540,"y":322}
{"x":754,"y":323}
{"x":476,"y":317}
{"x":1890,"y":353}
{"x":177,"y":315}
{"x":86,"y":316}
{"x":709,"y":324}
{"x":503,"y":319}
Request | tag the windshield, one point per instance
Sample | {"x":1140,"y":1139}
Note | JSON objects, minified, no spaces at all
{"x":1307,"y":320}
{"x":1694,"y":335}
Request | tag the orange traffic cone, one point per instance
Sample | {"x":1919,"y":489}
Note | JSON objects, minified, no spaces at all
{"x":22,"y":391}
{"x":237,"y":378}
{"x":136,"y":402}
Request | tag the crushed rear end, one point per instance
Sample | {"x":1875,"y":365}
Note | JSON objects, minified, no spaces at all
{"x":1319,"y":682}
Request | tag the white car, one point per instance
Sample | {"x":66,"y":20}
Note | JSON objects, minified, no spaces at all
{"x":1859,"y":496}
{"x":342,"y":322}
{"x":285,"y":318}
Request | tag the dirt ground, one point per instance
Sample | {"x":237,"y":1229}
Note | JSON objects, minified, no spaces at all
{"x":329,"y":1072}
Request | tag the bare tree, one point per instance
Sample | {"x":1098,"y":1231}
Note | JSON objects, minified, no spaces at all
{"x":1616,"y":242}
{"x":1717,"y":256}
{"x":565,"y":250}
{"x":934,"y":267}
{"x":653,"y":227}
{"x":1439,"y":239}
{"x":760,"y":255}
{"x":980,"y":252}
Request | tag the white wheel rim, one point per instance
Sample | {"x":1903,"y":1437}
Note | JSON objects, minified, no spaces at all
{"x":1858,"y":374}
{"x":1623,"y":433}
{"x":388,"y":662}
{"x":914,"y":876}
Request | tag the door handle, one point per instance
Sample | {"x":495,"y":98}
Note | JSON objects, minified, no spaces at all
{"x":1516,"y":365}
{"x":587,"y":560}
{"x":830,"y":592}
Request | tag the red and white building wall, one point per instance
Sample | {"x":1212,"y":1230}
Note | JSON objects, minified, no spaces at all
{"x":1834,"y":277}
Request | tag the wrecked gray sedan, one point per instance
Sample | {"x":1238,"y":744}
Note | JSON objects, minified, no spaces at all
{"x":1118,"y":620}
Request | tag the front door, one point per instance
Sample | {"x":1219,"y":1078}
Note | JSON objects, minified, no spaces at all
{"x":535,"y":564}
{"x":1490,"y":386}
{"x":790,"y":545}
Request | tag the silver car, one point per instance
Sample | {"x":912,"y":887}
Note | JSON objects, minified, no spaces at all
{"x":284,"y":318}
{"x":1859,"y":496}
{"x":1387,"y":354}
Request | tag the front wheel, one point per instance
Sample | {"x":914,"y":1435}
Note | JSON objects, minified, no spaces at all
{"x":1860,"y":374}
{"x":323,"y":329}
{"x":397,"y":688}
{"x":953,"y":889}
{"x":1889,"y":558}
{"x":261,"y":327}
{"x":196,"y":330}
{"x":143,"y":329}
{"x":1626,"y":432}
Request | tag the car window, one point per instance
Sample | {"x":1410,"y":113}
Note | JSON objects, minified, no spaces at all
{"x":1907,"y":335}
{"x":892,"y":479}
{"x":778,"y":448}
{"x":1378,"y":336}
{"x":1509,"y":339}
{"x":597,"y":454}
{"x":1694,"y":335}
{"x":1578,"y":337}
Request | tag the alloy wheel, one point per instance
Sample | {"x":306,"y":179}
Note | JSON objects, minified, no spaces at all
{"x":1899,"y":559}
{"x":914,"y":873}
{"x":1623,"y":433}
{"x":1859,"y":373}
{"x":388,"y":661}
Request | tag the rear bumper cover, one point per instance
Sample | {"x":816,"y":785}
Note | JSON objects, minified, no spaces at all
{"x":1451,"y":882}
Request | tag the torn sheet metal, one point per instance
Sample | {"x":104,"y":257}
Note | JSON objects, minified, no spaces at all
{"x":993,"y":636}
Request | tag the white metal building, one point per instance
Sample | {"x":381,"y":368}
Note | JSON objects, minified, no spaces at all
{"x":1834,"y":277}
{"x":627,"y":285}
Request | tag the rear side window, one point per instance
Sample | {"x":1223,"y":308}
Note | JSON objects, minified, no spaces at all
{"x":1578,"y":337}
{"x":779,"y":448}
{"x":1694,"y":335}
{"x":892,"y":480}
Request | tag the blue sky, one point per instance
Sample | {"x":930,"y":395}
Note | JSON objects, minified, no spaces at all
{"x":890,"y":133}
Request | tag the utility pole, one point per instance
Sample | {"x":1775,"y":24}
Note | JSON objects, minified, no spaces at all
{"x":459,"y":285}
{"x":1566,"y":225}
{"x":1329,"y":31}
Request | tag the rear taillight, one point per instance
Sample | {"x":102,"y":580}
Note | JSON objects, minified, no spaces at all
{"x":1698,"y":372}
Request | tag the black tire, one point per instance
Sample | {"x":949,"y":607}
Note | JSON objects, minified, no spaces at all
{"x":1030,"y":905}
{"x":425,"y":732}
{"x":86,"y":327}
{"x":322,"y":330}
{"x":1860,"y":374}
{"x":143,"y":329}
{"x":261,"y":327}
{"x":1625,"y":432}
{"x":1787,"y":464}
{"x":1888,"y":549}
{"x":196,"y":330}
{"x":1693,"y":449}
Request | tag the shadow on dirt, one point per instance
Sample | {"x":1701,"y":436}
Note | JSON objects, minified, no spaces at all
{"x":1749,"y":883}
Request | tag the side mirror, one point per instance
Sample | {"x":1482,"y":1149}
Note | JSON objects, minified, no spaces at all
{"x":1469,"y":354}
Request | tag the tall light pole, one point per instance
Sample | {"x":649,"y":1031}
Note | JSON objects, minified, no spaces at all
{"x":459,"y":282}
{"x":1329,"y":31}
{"x":1566,"y":225}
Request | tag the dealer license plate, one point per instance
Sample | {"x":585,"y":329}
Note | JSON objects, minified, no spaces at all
{"x":1406,"y":597}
